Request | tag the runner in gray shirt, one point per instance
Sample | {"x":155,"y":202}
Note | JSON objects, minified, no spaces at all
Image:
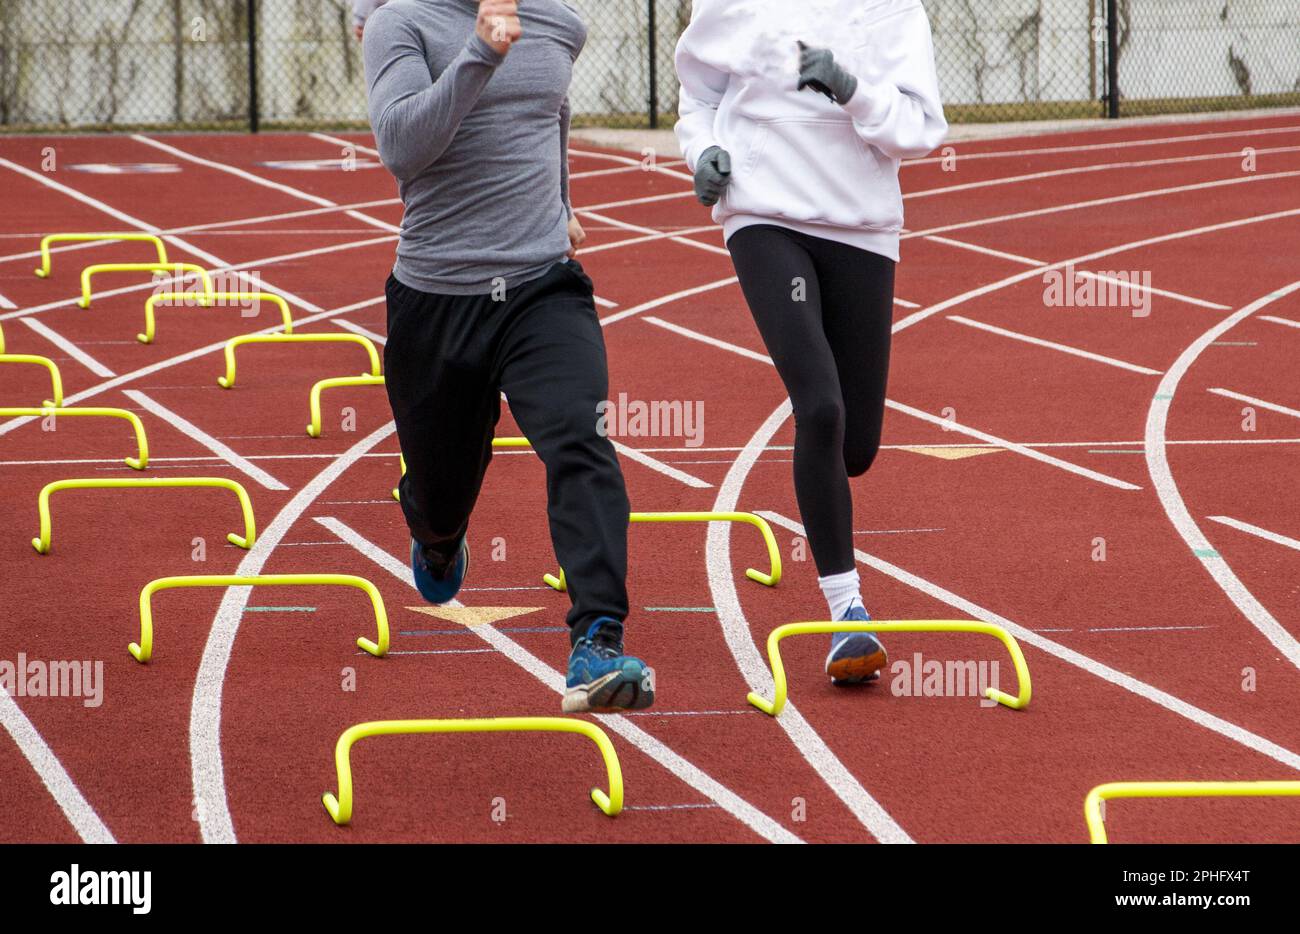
{"x":479,"y":152}
{"x":468,"y":102}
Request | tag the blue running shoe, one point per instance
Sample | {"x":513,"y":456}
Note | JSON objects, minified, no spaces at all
{"x":603,"y":679}
{"x":855,"y":657}
{"x":435,"y":587}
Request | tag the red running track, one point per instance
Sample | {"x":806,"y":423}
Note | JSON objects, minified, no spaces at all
{"x":1175,"y":657}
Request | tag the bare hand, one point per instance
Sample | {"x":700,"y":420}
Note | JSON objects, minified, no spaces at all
{"x":359,"y":31}
{"x":498,"y":24}
{"x":577,"y":236}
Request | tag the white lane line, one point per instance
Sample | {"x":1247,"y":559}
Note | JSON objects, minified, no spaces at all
{"x":675,"y":236}
{"x":624,"y":169}
{"x":1260,"y":403}
{"x":654,"y":464}
{"x":340,"y":141}
{"x":742,"y":810}
{"x":947,"y":424}
{"x":706,"y":339}
{"x":1099,"y":202}
{"x":1176,"y":296}
{"x":207,"y":767}
{"x":13,"y":423}
{"x":264,"y":182}
{"x":1162,"y":478}
{"x":1020,"y":449}
{"x":5,"y":303}
{"x":1118,"y":144}
{"x":200,"y":459}
{"x":68,"y":347}
{"x":893,"y":531}
{"x":647,"y":238}
{"x":633,"y":202}
{"x":1173,"y":704}
{"x":1276,"y":320}
{"x":1094,"y":167}
{"x":83,"y":818}
{"x":378,"y":338}
{"x":193,"y":431}
{"x":1265,"y":534}
{"x":982,"y":290}
{"x":660,"y":169}
{"x":1053,"y":345}
{"x":988,"y":251}
{"x":1145,"y":628}
{"x":741,"y":644}
{"x":903,"y":303}
{"x":965,"y":444}
{"x":434,"y":651}
{"x":690,"y":713}
{"x":666,"y":300}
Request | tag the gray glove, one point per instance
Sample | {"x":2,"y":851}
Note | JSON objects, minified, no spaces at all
{"x":817,"y":70}
{"x":712,"y":175}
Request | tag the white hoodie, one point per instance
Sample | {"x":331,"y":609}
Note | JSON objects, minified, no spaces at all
{"x":797,"y":159}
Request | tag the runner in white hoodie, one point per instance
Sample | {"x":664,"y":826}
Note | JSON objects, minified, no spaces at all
{"x":794,"y":116}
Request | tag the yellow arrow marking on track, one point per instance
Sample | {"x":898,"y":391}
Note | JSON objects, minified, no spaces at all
{"x":475,"y":615}
{"x":953,"y":454}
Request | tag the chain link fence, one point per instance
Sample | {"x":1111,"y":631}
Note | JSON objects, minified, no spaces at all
{"x":119,"y":64}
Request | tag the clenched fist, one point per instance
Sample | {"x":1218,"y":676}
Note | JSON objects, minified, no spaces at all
{"x":498,"y":24}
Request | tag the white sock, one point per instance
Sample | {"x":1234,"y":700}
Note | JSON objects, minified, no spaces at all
{"x":841,"y":592}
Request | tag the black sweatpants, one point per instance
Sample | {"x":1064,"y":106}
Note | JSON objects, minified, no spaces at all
{"x":825,"y":311}
{"x":448,"y":359}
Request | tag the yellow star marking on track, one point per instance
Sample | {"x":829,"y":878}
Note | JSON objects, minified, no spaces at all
{"x":953,"y":454}
{"x":475,"y":615}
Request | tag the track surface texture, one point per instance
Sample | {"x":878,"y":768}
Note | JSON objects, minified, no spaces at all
{"x":1118,"y":490}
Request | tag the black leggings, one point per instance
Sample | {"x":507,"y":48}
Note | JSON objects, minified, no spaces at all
{"x":825,"y":311}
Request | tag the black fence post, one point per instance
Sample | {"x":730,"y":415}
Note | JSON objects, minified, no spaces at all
{"x":1112,"y":59}
{"x":252,"y":67}
{"x":654,"y":64}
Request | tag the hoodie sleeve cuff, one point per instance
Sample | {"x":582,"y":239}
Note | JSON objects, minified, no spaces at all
{"x":869,"y":105}
{"x":693,"y":152}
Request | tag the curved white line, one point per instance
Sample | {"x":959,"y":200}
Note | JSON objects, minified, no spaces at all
{"x":740,"y":642}
{"x":206,"y":766}
{"x":1172,"y":501}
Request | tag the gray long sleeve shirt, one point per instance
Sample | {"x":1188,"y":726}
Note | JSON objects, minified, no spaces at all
{"x":478,"y":142}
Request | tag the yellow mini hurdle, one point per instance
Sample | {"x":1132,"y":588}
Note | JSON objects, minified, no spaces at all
{"x":44,"y":271}
{"x":143,"y":650}
{"x":777,"y":704}
{"x":42,"y":544}
{"x":1097,"y":824}
{"x":334,"y":382}
{"x":340,"y":807}
{"x":174,"y":268}
{"x":56,"y":379}
{"x":142,"y":443}
{"x":228,"y":381}
{"x":770,"y":579}
{"x":208,"y":300}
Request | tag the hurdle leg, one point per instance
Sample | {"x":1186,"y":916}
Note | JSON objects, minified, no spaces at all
{"x":340,"y":806}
